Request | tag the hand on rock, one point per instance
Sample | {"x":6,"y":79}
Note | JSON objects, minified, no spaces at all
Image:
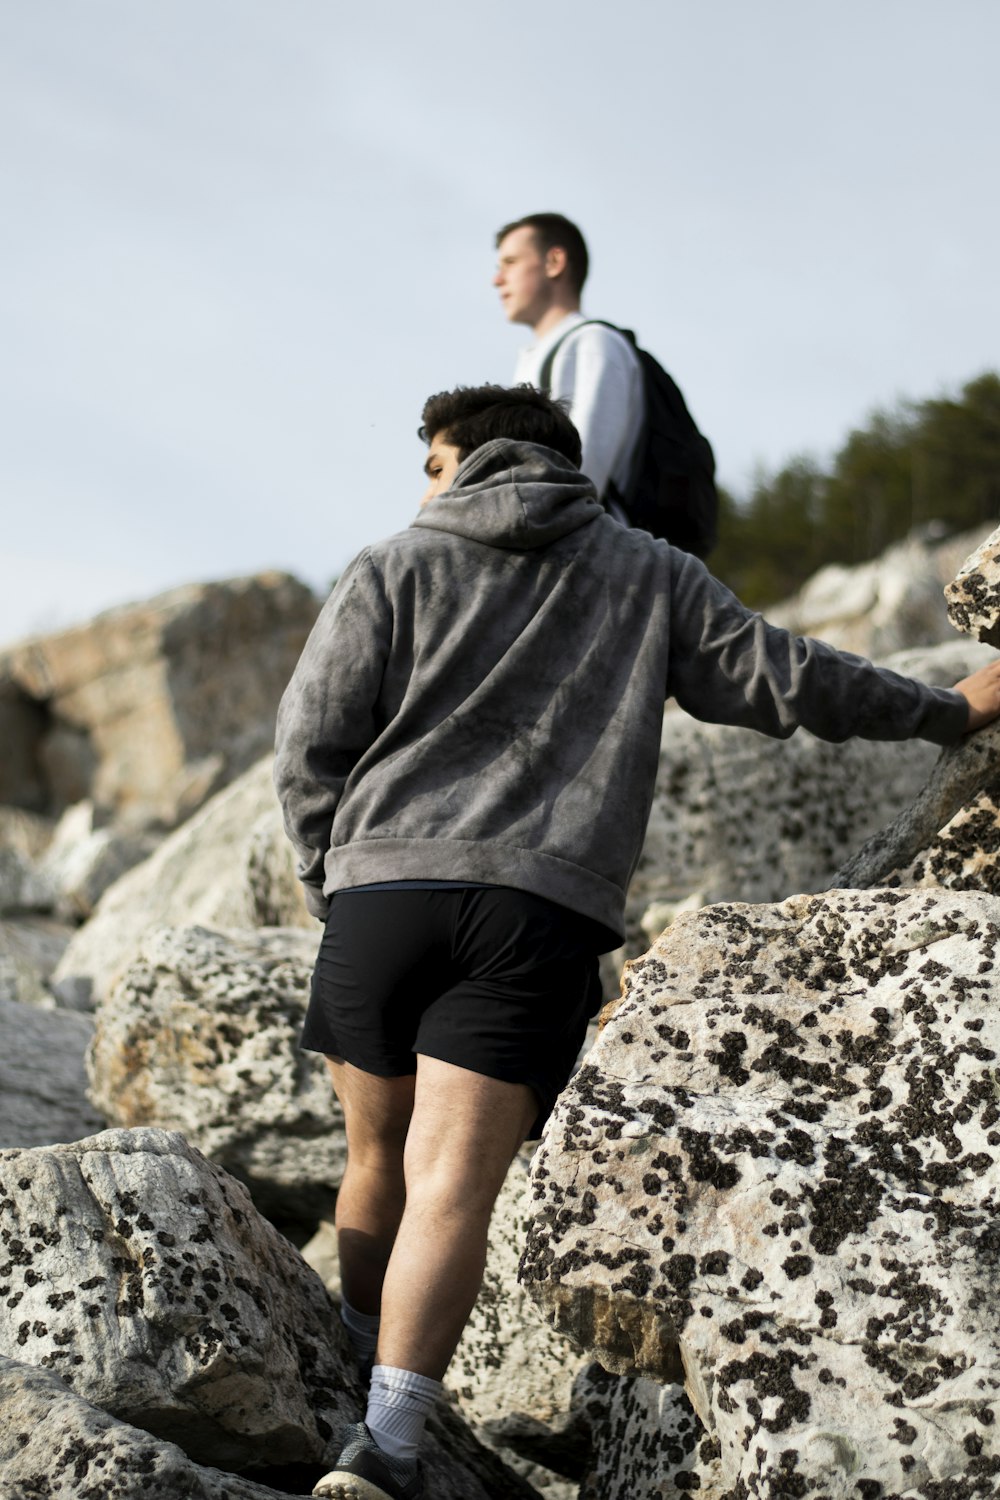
{"x":982,"y":692}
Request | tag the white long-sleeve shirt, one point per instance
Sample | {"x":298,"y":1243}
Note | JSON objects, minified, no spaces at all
{"x":597,"y":371}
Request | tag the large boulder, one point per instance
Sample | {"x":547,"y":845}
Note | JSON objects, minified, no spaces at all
{"x":893,"y":603}
{"x":43,"y":1086}
{"x":228,"y":866}
{"x":776,"y":1177}
{"x":55,"y":1444}
{"x":151,"y":707}
{"x":141,"y":1275}
{"x":201,"y":1035}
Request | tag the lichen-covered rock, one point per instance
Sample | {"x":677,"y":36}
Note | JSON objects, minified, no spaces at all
{"x":141,"y":1275}
{"x":965,"y":855}
{"x":228,"y":866}
{"x":201,"y":1035}
{"x":973,"y":596}
{"x":646,"y":1441}
{"x":778,"y":1172}
{"x":150,"y":708}
{"x":43,"y":1086}
{"x":510,"y":1359}
{"x":55,"y":1445}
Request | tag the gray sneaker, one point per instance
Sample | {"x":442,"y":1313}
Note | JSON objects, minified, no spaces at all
{"x":364,"y":1472}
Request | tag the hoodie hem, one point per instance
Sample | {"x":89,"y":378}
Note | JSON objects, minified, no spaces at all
{"x":365,"y":861}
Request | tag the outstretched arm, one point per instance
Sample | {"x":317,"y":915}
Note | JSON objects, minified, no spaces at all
{"x":982,"y":692}
{"x":728,"y":665}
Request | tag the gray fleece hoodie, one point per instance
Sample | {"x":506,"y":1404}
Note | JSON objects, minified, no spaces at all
{"x":481,"y":697}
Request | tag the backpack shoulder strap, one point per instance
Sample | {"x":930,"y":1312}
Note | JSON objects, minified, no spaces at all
{"x":545,"y":373}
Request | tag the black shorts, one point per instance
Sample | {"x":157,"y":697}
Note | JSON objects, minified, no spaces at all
{"x":491,"y":979}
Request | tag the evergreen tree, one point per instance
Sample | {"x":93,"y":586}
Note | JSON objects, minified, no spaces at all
{"x":930,"y":462}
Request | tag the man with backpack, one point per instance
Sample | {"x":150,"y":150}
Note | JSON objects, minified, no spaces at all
{"x":650,"y":465}
{"x":465,"y":758}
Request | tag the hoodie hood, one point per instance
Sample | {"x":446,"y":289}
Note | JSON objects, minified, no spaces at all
{"x":515,"y":495}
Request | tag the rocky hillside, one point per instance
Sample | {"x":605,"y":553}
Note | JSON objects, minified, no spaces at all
{"x":770,"y":1186}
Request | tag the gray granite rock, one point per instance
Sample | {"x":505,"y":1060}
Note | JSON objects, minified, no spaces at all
{"x":54,"y":1444}
{"x":43,"y":1085}
{"x":83,"y":859}
{"x":227,"y":866}
{"x":30,"y":949}
{"x":776,"y":1177}
{"x":201,"y":1035}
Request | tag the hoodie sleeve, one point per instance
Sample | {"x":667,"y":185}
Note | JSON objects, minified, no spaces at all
{"x":328,"y":716}
{"x":729,"y":666}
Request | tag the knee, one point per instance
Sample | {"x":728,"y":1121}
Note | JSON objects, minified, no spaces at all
{"x":444,"y":1193}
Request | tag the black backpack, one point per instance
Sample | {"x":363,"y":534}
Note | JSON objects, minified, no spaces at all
{"x":672,"y":491}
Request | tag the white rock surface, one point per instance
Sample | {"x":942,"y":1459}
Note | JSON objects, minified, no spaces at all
{"x":83,"y":860}
{"x":974,"y":594}
{"x":55,"y":1444}
{"x":228,"y":866}
{"x":890,"y":604}
{"x":43,"y":1086}
{"x":778,"y":1171}
{"x":141,"y":1275}
{"x":201,"y":1035}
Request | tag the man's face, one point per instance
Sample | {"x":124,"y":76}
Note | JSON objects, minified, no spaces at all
{"x":522,"y":278}
{"x":442,"y":462}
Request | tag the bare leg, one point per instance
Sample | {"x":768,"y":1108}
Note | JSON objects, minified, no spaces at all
{"x":372,"y":1194}
{"x":463,"y":1134}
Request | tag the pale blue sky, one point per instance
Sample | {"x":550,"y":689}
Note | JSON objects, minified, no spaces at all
{"x":243,"y":240}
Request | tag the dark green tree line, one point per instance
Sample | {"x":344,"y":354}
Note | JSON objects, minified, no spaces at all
{"x":927,"y":462}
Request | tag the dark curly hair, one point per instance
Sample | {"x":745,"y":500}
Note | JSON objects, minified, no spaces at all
{"x":470,"y":416}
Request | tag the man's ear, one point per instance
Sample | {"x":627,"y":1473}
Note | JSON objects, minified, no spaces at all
{"x":555,"y":261}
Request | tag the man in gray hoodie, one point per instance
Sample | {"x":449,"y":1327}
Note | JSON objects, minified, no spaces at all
{"x":466,"y":757}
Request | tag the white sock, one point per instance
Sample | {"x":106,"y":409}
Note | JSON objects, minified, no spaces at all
{"x":398,"y":1404}
{"x":362,"y":1330}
